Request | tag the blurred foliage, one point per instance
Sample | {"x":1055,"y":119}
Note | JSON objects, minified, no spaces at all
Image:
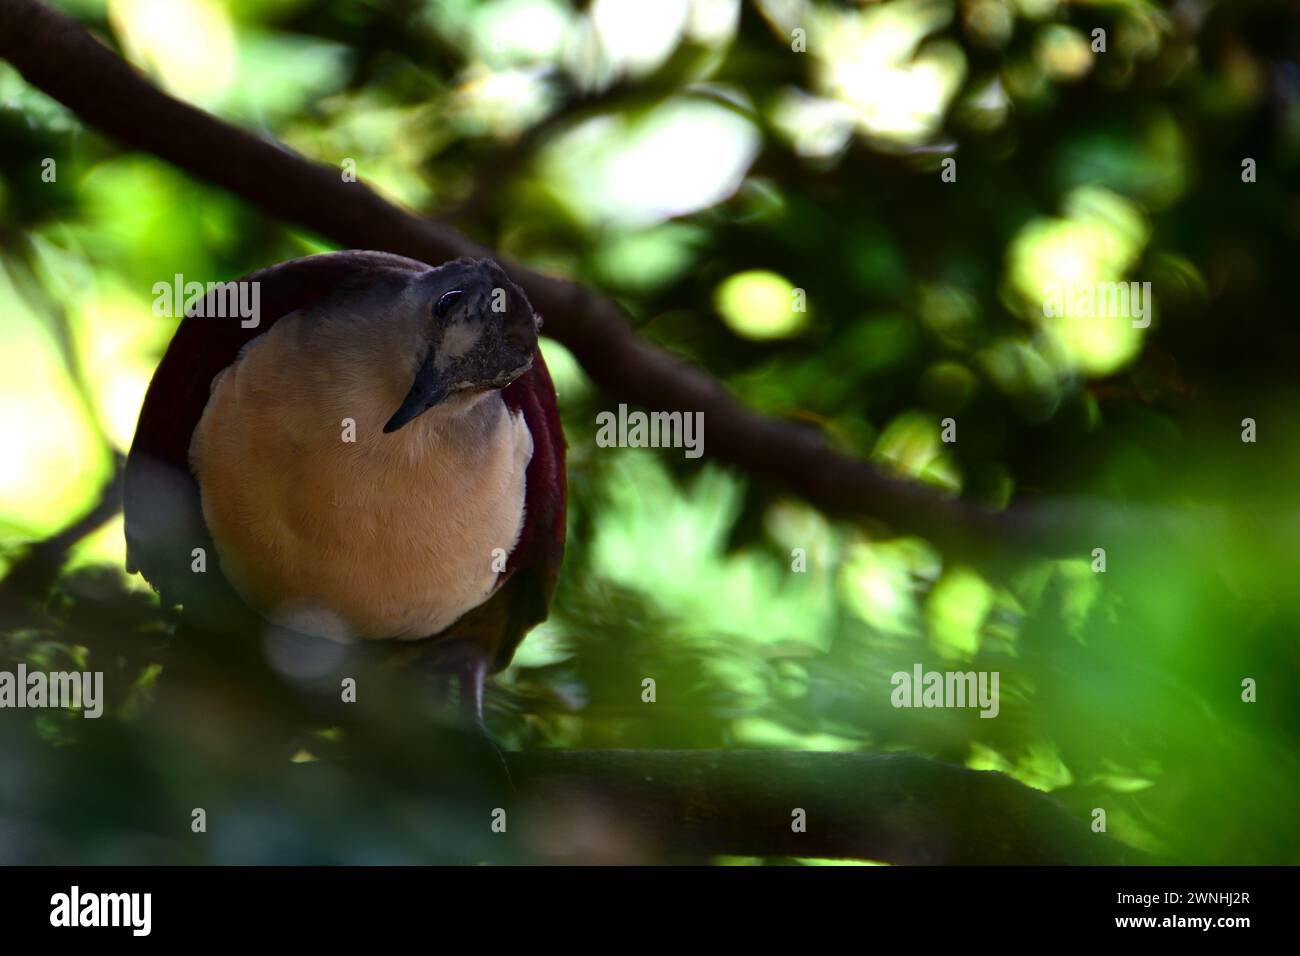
{"x":682,"y":157}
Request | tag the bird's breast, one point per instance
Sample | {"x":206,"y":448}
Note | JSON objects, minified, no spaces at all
{"x":324,"y":524}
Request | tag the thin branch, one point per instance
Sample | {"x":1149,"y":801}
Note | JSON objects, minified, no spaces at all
{"x":40,"y":564}
{"x":56,"y":55}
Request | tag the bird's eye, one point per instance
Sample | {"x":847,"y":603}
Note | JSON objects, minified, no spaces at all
{"x":446,"y":301}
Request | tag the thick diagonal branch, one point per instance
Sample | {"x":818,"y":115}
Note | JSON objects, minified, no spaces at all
{"x":55,"y":54}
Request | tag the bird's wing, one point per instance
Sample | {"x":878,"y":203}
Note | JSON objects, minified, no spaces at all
{"x":534,"y":565}
{"x":161,"y":504}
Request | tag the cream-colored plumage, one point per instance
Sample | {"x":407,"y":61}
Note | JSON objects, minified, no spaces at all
{"x":390,"y":535}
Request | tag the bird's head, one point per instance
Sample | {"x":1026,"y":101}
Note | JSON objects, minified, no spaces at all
{"x":478,"y":333}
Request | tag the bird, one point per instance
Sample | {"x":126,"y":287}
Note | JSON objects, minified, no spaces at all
{"x":375,"y":457}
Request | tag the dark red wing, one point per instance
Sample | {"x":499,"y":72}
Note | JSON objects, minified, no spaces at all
{"x":535,"y":562}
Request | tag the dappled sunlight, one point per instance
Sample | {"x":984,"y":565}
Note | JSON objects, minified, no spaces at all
{"x":635,"y":37}
{"x":1097,"y":243}
{"x":502,"y":102}
{"x":1063,"y":53}
{"x":189,"y":44}
{"x":670,"y":546}
{"x":882,"y":582}
{"x":510,"y":32}
{"x":955,"y":612}
{"x":642,"y":260}
{"x":684,"y":156}
{"x":911,"y":446}
{"x":1040,"y":766}
{"x":53,"y":464}
{"x":760,"y":305}
{"x":873,"y":61}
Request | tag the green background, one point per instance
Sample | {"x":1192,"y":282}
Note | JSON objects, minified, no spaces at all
{"x":683,"y":159}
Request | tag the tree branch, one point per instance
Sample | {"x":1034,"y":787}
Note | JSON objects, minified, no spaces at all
{"x":894,"y":808}
{"x":55,"y":54}
{"x":40,"y":564}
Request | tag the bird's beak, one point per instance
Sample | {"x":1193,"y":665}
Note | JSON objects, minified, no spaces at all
{"x":427,"y":390}
{"x":489,"y":357}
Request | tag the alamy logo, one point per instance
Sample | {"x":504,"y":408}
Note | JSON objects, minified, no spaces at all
{"x":103,"y":909}
{"x":217,"y":300}
{"x":1093,"y":300}
{"x":923,"y":688}
{"x":651,"y":430}
{"x":59,"y":689}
